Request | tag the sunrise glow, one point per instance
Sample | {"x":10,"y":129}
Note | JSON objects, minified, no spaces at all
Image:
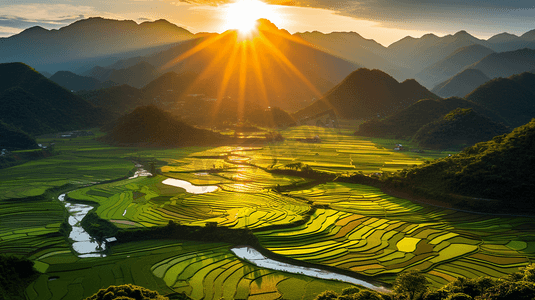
{"x":242,"y":15}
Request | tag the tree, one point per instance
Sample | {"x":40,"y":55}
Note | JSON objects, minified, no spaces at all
{"x":327,"y":295}
{"x":129,"y":292}
{"x":411,"y":283}
{"x":350,"y":290}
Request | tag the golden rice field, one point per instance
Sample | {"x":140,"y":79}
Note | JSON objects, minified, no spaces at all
{"x":358,"y":228}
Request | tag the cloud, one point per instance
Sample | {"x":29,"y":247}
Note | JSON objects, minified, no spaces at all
{"x":431,"y":15}
{"x":49,"y":16}
{"x":6,"y":31}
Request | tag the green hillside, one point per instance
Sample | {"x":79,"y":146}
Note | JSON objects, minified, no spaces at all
{"x":460,"y":127}
{"x":496,"y":169}
{"x":30,"y":101}
{"x":405,"y":123}
{"x":152,"y":127}
{"x":365,"y":93}
{"x":12,"y":138}
{"x":512,"y":98}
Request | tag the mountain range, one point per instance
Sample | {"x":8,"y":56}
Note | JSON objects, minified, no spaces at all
{"x":503,"y":100}
{"x":221,"y":78}
{"x":31,"y":102}
{"x":114,"y":44}
{"x":366,"y":94}
{"x":275,"y":69}
{"x":149,"y":126}
{"x":88,"y":40}
{"x":461,"y":84}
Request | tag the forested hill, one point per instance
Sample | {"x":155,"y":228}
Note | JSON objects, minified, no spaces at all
{"x":496,"y":169}
{"x":33,"y":103}
{"x":152,"y":127}
{"x":460,"y":127}
{"x":365,"y":93}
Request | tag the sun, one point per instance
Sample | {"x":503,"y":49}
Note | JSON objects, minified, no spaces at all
{"x":242,"y":14}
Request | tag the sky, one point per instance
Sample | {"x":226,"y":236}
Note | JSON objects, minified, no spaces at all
{"x":385,"y":21}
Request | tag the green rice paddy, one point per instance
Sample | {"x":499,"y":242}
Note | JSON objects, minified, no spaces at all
{"x":201,"y":270}
{"x":358,"y":228}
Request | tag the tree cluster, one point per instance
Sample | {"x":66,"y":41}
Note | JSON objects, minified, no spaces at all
{"x":15,"y":274}
{"x":495,"y":169}
{"x":129,"y":292}
{"x":209,"y":233}
{"x":413,"y":285}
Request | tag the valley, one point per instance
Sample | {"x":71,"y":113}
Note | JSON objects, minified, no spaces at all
{"x":355,"y":229}
{"x":260,"y":164}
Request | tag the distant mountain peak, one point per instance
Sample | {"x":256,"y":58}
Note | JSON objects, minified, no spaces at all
{"x":530,"y":35}
{"x":429,"y":36}
{"x":502,"y":37}
{"x":463,"y":34}
{"x":267,"y":25}
{"x":34,"y":30}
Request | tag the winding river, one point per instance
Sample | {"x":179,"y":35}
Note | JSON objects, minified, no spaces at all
{"x":258,"y":259}
{"x":85,"y":246}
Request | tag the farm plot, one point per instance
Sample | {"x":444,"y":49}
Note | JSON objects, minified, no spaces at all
{"x":217,"y":273}
{"x":148,"y":202}
{"x":201,"y":270}
{"x":35,"y":177}
{"x":336,"y":153}
{"x":229,"y":168}
{"x":31,"y":226}
{"x":373,"y":245}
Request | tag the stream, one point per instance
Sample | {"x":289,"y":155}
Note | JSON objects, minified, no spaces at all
{"x":258,"y":259}
{"x":85,"y":246}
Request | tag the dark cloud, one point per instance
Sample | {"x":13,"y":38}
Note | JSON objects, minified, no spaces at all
{"x":432,"y":15}
{"x":437,"y":15}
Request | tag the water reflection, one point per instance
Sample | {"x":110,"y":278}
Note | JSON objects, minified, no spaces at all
{"x":190,"y":188}
{"x":256,"y":258}
{"x":83,"y":244}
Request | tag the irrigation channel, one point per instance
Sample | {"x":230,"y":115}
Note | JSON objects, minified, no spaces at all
{"x":86,"y":246}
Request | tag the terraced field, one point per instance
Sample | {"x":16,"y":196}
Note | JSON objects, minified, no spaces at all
{"x":359,"y":228}
{"x":148,"y":202}
{"x":201,"y":270}
{"x":337,"y":153}
{"x":24,"y":231}
{"x":378,"y":235}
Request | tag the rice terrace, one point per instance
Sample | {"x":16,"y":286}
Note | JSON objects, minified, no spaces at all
{"x":174,"y":228}
{"x":267,"y":150}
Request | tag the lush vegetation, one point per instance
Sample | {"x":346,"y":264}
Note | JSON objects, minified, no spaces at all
{"x":365,"y":93}
{"x":128,"y":292}
{"x":12,"y":138}
{"x":268,"y":196}
{"x":432,"y":113}
{"x":33,"y":103}
{"x":495,"y":169}
{"x":518,"y":109}
{"x":458,"y":128}
{"x":412,"y":285}
{"x":120,"y":99}
{"x":151,"y":126}
{"x":15,"y":274}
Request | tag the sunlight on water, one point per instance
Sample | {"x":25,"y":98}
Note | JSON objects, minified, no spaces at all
{"x":190,"y":188}
{"x":256,"y":258}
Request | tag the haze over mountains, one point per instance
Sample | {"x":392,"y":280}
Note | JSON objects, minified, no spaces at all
{"x":86,"y":40}
{"x":103,"y":42}
{"x":224,"y":78}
